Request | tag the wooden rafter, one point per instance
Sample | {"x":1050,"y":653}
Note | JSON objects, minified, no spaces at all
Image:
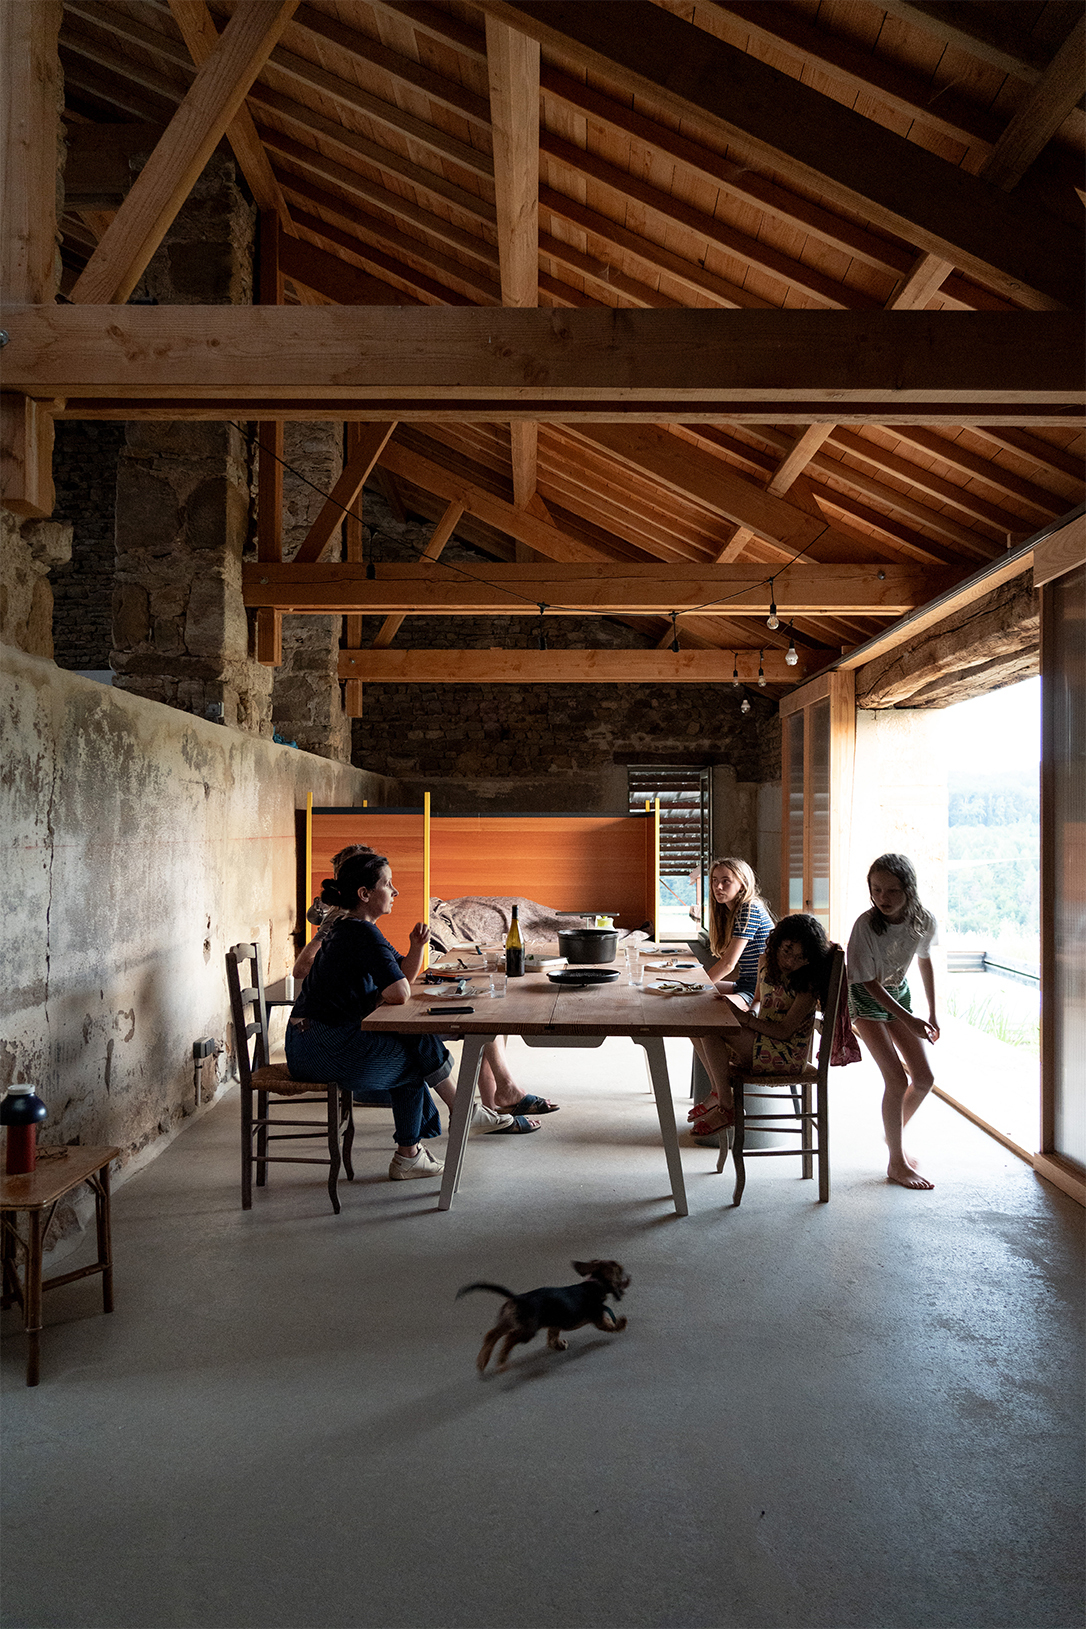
{"x":438,"y":539}
{"x":201,"y":36}
{"x":368,"y":447}
{"x":213,"y":100}
{"x":1007,"y":242}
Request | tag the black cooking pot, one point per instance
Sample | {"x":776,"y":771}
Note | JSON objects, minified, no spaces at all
{"x":588,"y":944}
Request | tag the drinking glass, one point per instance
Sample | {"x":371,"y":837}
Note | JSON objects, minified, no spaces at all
{"x":635,"y":972}
{"x":497,"y":982}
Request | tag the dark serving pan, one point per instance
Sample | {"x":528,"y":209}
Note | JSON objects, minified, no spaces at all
{"x":584,"y":975}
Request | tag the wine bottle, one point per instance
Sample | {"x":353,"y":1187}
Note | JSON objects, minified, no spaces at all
{"x":514,"y":949}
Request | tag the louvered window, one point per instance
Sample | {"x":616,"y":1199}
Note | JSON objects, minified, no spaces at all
{"x":685,"y":827}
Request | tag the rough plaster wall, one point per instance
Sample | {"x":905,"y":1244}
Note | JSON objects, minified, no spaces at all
{"x":899,"y":801}
{"x":144,"y":842}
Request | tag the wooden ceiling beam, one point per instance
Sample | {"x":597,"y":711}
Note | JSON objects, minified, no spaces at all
{"x":620,"y":187}
{"x":444,"y":93}
{"x":546,"y":363}
{"x":369,"y":444}
{"x":521,"y":524}
{"x":992,"y":33}
{"x":924,"y":480}
{"x":335,"y":279}
{"x":1041,"y":114}
{"x":592,"y":589}
{"x":426,"y":182}
{"x":368,"y":236}
{"x":200,"y":34}
{"x":212,"y":101}
{"x":299,"y":156}
{"x":438,"y":539}
{"x":1047,"y":504}
{"x":378,"y":262}
{"x":569,"y":666}
{"x":1058,"y":459}
{"x":1005,"y":241}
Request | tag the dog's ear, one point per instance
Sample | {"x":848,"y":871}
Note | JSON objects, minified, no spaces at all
{"x":584,"y":1268}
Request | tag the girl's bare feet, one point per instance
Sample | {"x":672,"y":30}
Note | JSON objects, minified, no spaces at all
{"x":906,"y":1177}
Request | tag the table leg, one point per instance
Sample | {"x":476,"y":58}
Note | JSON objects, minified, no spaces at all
{"x":466,"y":1082}
{"x":105,"y":1237}
{"x":665,"y":1108}
{"x":32,"y":1299}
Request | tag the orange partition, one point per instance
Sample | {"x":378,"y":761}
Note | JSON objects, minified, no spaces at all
{"x":399,"y":833}
{"x":568,"y":862}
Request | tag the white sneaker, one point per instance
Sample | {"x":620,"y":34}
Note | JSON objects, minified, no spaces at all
{"x":484,"y":1120}
{"x":403,"y":1169}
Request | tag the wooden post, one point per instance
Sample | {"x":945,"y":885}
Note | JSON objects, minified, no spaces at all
{"x":269,"y":511}
{"x":29,"y":265}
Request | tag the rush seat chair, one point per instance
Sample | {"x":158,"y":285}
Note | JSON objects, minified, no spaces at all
{"x":274,"y":1089}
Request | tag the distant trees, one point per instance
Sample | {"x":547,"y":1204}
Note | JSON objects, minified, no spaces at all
{"x":994,"y":854}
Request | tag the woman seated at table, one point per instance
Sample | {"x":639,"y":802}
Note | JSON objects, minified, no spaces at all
{"x":503,"y":1106}
{"x":353,"y":972}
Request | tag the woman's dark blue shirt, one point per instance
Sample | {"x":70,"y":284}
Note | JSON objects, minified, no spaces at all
{"x":353,"y":965}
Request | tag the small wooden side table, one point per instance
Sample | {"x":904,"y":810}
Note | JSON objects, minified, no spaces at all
{"x":58,"y":1171}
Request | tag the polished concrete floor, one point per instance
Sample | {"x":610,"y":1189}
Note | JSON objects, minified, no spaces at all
{"x":867,"y":1413}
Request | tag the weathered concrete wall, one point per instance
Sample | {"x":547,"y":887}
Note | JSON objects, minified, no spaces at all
{"x":143,"y":842}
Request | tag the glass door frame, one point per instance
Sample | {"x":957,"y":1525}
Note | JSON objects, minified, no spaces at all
{"x":838,"y":689}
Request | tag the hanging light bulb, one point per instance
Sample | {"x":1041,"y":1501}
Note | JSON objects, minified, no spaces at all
{"x":761,"y":673}
{"x":744,"y":706}
{"x":772,"y":620}
{"x":791,"y":655}
{"x":674,"y":634}
{"x":735,"y":670}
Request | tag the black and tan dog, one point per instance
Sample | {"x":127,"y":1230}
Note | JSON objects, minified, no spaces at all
{"x":573,"y":1306}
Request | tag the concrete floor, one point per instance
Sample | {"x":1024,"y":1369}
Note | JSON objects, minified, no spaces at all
{"x":866,"y":1413}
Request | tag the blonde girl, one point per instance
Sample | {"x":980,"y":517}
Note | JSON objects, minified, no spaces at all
{"x":880,"y":951}
{"x":739,"y":926}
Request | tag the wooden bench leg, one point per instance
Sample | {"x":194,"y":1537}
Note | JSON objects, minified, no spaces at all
{"x":738,"y":1143}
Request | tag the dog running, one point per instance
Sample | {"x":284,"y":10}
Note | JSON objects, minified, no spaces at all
{"x":571,"y":1307}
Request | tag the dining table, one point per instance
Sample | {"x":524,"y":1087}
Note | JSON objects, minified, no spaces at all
{"x":544,"y":1012}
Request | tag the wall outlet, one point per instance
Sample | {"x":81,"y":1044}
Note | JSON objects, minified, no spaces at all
{"x":203,"y":1049}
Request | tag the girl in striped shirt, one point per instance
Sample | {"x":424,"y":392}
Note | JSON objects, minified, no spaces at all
{"x":739,"y":925}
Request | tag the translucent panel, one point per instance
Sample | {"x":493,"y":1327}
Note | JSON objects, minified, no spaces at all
{"x":793,"y":746}
{"x":1064,"y":734}
{"x":818,"y":892}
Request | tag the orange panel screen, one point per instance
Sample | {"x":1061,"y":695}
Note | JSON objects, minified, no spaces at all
{"x":568,"y":862}
{"x":397,"y":833}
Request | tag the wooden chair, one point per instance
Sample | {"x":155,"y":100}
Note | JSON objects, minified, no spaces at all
{"x":813,"y":1127}
{"x":271,"y":1082}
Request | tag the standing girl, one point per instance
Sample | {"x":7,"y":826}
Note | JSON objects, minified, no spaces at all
{"x":883,"y":943}
{"x":739,"y":925}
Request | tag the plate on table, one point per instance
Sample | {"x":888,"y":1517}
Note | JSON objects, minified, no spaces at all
{"x":460,"y":991}
{"x":584,"y":975}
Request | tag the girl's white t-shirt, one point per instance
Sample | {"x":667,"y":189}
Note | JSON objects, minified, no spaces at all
{"x":886,"y":956}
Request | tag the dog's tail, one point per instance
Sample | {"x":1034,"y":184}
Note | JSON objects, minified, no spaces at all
{"x":496,"y":1289}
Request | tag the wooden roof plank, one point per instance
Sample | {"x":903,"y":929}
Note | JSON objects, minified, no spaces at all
{"x":1003,"y":240}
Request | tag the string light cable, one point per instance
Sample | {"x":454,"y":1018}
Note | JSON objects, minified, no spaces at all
{"x":571,"y":610}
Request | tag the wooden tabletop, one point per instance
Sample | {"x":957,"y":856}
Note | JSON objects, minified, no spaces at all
{"x":58,"y":1171}
{"x":535,"y":1006}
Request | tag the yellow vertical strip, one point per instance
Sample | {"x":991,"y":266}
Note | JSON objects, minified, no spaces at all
{"x":309,"y":928}
{"x":426,"y":871}
{"x":656,"y":871}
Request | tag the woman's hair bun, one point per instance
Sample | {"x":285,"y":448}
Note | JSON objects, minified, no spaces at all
{"x":331,"y":893}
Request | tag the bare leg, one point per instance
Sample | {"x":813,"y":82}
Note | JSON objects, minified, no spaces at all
{"x":497,"y":1088}
{"x":720,"y":1057}
{"x":907,"y":1080}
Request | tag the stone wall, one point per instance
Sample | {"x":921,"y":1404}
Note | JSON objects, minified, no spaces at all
{"x":29,"y":550}
{"x":144,"y":843}
{"x":307,"y":699}
{"x":85,"y":472}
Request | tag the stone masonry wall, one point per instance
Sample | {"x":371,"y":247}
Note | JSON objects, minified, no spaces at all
{"x":307,"y":699}
{"x":85,"y":471}
{"x":541,"y":747}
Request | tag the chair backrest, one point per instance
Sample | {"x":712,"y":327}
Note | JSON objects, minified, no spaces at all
{"x":246,"y":984}
{"x":835,"y":988}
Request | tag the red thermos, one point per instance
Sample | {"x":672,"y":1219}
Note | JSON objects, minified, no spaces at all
{"x":21,"y":1112}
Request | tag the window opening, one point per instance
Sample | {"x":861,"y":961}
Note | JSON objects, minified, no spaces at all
{"x":685,"y":838}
